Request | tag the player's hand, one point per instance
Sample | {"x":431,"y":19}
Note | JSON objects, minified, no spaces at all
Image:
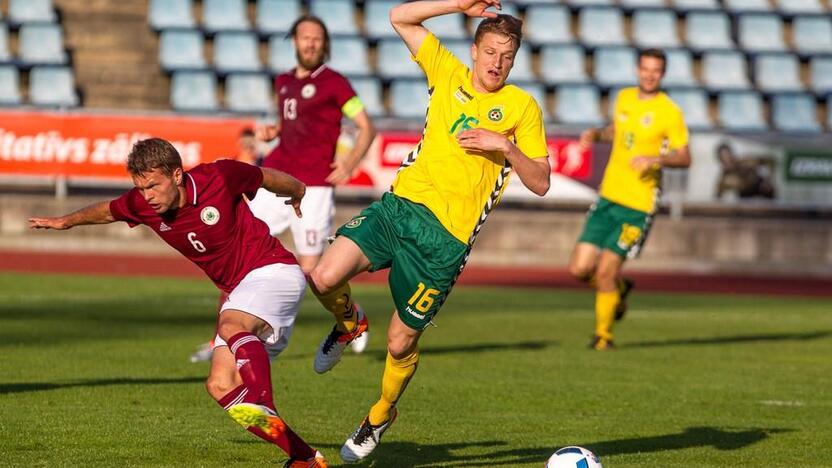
{"x":341,"y":172}
{"x":643,"y":164}
{"x":477,"y":8}
{"x":587,"y":138}
{"x":48,"y":223}
{"x":266,"y":132}
{"x":480,"y":139}
{"x":294,"y":200}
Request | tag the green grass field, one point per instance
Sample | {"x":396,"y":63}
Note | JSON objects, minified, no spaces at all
{"x":94,"y":372}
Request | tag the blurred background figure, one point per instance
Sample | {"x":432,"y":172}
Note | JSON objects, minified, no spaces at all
{"x":746,"y":177}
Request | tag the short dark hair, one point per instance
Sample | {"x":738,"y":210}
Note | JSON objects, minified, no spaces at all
{"x":654,"y":53}
{"x":505,"y":25}
{"x":153,"y":153}
{"x":293,"y":31}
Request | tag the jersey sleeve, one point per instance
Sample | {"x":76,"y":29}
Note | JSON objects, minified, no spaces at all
{"x":530,"y":134}
{"x":434,"y":59}
{"x":123,"y":208}
{"x":677,"y":130}
{"x":346,"y":98}
{"x":239,"y":177}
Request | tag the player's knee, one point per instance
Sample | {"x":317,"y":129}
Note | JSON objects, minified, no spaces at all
{"x":580,"y":271}
{"x":400,"y":349}
{"x":218,"y":387}
{"x":322,"y":281}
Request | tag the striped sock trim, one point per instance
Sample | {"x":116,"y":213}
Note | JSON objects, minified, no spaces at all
{"x":241,"y":342}
{"x":237,"y":400}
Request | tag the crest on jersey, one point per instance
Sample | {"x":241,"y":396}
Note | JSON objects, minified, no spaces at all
{"x":308,"y":91}
{"x":496,"y":114}
{"x":355,"y":222}
{"x":210,"y":215}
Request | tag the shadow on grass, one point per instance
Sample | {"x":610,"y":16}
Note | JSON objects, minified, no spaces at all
{"x":41,"y":386}
{"x":732,"y":339}
{"x":718,"y":438}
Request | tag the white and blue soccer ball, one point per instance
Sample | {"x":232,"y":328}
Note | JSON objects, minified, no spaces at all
{"x":573,"y":457}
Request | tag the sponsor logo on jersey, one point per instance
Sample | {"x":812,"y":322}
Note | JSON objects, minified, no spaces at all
{"x":496,"y":114}
{"x":308,"y":91}
{"x":164,"y":227}
{"x":210,"y":215}
{"x":462,"y":96}
{"x":355,"y":222}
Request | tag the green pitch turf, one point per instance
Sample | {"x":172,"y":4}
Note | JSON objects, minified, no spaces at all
{"x":94,"y":372}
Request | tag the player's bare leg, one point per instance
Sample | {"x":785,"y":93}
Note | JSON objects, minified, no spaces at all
{"x":607,"y":298}
{"x":584,"y":261}
{"x":205,"y":350}
{"x":399,"y":368}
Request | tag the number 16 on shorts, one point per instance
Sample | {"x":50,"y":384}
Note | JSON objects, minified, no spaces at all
{"x":418,"y":310}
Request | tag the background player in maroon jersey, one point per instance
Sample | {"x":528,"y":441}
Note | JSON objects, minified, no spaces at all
{"x":202,"y":214}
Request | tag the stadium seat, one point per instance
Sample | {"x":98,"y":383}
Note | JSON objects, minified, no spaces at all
{"x":741,"y":111}
{"x":761,"y":33}
{"x":31,"y":11}
{"x":508,"y":9}
{"x":708,"y":30}
{"x":41,"y":43}
{"x":635,"y":5}
{"x":655,"y":28}
{"x":338,"y":15}
{"x":812,"y":34}
{"x":583,"y":3}
{"x":164,"y":14}
{"x":777,"y":72}
{"x":224,"y":15}
{"x":600,"y":26}
{"x":447,"y":27}
{"x":194,"y":91}
{"x":181,"y":49}
{"x":349,"y":56}
{"x":5,"y":52}
{"x":794,"y":113}
{"x":562,"y":64}
{"x":369,"y":90}
{"x":522,"y":68}
{"x":612,"y":96}
{"x":615,"y":66}
{"x":679,"y":70}
{"x":249,"y":93}
{"x":9,"y":85}
{"x":394,"y":60}
{"x":578,"y":105}
{"x":691,"y":5}
{"x":800,"y":7}
{"x":377,"y":19}
{"x":725,"y":70}
{"x":820,"y":74}
{"x":276,"y":16}
{"x":461,"y":48}
{"x":744,"y":6}
{"x":409,"y":99}
{"x":694,"y":105}
{"x":281,"y":54}
{"x":538,"y":92}
{"x":52,"y":87}
{"x":829,"y":113}
{"x":548,"y":24}
{"x":236,"y":52}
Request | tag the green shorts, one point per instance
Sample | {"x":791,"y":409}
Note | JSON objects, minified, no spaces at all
{"x":423,"y":257}
{"x":617,"y":228}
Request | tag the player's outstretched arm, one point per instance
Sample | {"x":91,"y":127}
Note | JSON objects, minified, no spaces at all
{"x":284,"y":185}
{"x":98,"y":213}
{"x":605,"y":134}
{"x":407,"y":18}
{"x":534,"y":173}
{"x":677,"y":158}
{"x":342,"y":167}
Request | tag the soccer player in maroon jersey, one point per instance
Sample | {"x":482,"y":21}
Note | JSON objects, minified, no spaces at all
{"x":202,"y":214}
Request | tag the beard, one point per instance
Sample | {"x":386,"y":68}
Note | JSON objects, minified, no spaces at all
{"x":312,"y":63}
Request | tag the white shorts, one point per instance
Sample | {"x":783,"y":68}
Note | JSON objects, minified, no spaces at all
{"x":310,"y":232}
{"x":271,"y":293}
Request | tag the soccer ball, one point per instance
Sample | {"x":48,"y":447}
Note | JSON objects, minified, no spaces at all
{"x":573,"y":457}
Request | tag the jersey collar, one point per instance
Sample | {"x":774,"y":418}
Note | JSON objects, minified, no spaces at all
{"x":190,"y":192}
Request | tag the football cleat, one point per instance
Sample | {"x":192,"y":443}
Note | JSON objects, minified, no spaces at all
{"x":624,"y":288}
{"x":365,"y":439}
{"x":203,"y":352}
{"x":318,"y":461}
{"x":259,"y":416}
{"x":332,"y":347}
{"x":600,"y":344}
{"x":359,"y":344}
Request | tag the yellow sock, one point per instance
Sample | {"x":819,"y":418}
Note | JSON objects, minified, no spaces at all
{"x":605,"y":304}
{"x":339,"y":303}
{"x":397,"y":373}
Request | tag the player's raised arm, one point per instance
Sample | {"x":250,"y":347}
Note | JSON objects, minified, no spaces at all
{"x":98,"y":213}
{"x":407,"y":18}
{"x":284,"y":185}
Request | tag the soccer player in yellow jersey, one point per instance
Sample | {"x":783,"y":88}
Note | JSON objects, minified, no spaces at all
{"x":478,"y":130}
{"x":648,"y":133}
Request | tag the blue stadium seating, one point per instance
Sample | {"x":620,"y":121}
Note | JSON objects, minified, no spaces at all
{"x":692,"y":5}
{"x":583,"y":3}
{"x":394,"y":60}
{"x":820,"y":73}
{"x":615,"y":66}
{"x":561,"y":64}
{"x":538,"y":92}
{"x":31,"y":11}
{"x":166,"y":14}
{"x":194,"y":91}
{"x":508,"y":9}
{"x":409,"y":99}
{"x":276,"y":16}
{"x":578,"y":105}
{"x":522,"y":68}
{"x":338,"y":15}
{"x":5,"y":52}
{"x":236,"y":52}
{"x":224,"y":15}
{"x":655,"y":28}
{"x":708,"y":30}
{"x":281,"y":54}
{"x":369,"y":90}
{"x":52,"y":87}
{"x":447,"y":27}
{"x":9,"y":85}
{"x":181,"y":49}
{"x":349,"y":56}
{"x":800,"y":7}
{"x":600,"y":26}
{"x":741,"y":111}
{"x":377,"y":19}
{"x":461,"y":48}
{"x":794,"y":113}
{"x":761,"y":33}
{"x":812,"y":34}
{"x":612,"y":96}
{"x":637,"y":4}
{"x":42,"y":44}
{"x":694,"y":105}
{"x":744,"y":6}
{"x":725,"y":70}
{"x":777,"y":72}
{"x":679,"y":70}
{"x":548,"y":24}
{"x":249,"y":93}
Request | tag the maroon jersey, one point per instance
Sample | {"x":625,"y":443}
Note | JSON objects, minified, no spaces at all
{"x":215,"y":229}
{"x":310,"y":123}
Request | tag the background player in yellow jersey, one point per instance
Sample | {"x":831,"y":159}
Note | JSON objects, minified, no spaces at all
{"x":477,"y":130}
{"x":648,"y":133}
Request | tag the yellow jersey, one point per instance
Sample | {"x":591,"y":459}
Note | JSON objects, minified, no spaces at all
{"x":643,"y":127}
{"x":460,"y":187}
